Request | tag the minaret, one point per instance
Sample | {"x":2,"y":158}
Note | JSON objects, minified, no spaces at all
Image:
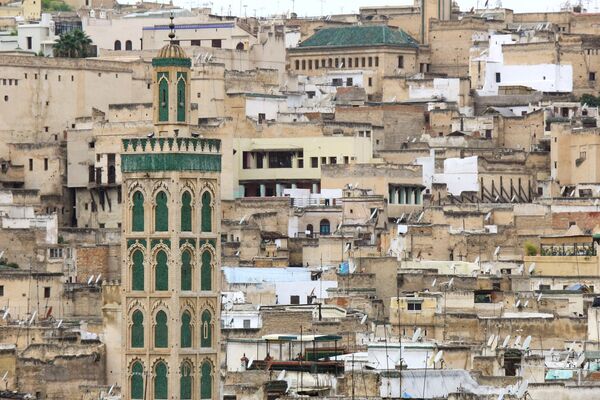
{"x":170,"y":248}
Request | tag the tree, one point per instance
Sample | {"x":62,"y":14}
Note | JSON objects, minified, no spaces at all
{"x":590,"y":100}
{"x":72,"y":44}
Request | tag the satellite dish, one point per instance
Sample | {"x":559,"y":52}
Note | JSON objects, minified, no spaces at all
{"x":111,"y":390}
{"x":527,"y":343}
{"x":250,"y":362}
{"x":501,"y":396}
{"x":488,"y":216}
{"x":451,"y":282}
{"x":90,"y":279}
{"x":520,"y":270}
{"x":517,"y":341}
{"x":228,"y":305}
{"x":59,"y":324}
{"x":417,"y":335}
{"x":506,"y":340}
{"x":580,"y":360}
{"x":430,"y":360}
{"x":512,"y":199}
{"x":281,"y":375}
{"x":526,"y":303}
{"x":363,"y":319}
{"x":434,"y":282}
{"x":420,"y":216}
{"x":531,"y":268}
{"x":539,"y":297}
{"x":497,"y":251}
{"x":97,"y":278}
{"x":522,"y":389}
{"x":5,"y":313}
{"x":4,"y":376}
{"x":477,"y":260}
{"x":32,"y":317}
{"x":494,"y":343}
{"x":438,"y":356}
{"x":518,"y":303}
{"x":491,"y":340}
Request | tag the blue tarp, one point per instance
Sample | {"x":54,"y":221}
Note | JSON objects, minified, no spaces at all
{"x":559,"y":374}
{"x":344,"y":268}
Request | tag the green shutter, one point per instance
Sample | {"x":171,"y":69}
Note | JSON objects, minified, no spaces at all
{"x":163,"y":94}
{"x":186,"y":212}
{"x":206,"y":271}
{"x":206,"y":212}
{"x":161,"y":384}
{"x":206,"y":381}
{"x":161,"y":213}
{"x":161,"y":274}
{"x":137,"y":329}
{"x":186,"y":330}
{"x":186,"y":270}
{"x":161,"y":331}
{"x":137,"y":381}
{"x":137,"y":214}
{"x":185,"y":382}
{"x":206,"y":330}
{"x":137,"y":273}
{"x":181,"y":79}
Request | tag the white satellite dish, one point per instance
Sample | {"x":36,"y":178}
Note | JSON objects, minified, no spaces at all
{"x":373,"y":214}
{"x":506,"y":340}
{"x":497,"y":251}
{"x":517,"y":341}
{"x":363,"y":319}
{"x":451,"y":283}
{"x":531,"y":268}
{"x":250,"y":362}
{"x":488,"y":216}
{"x":420,"y":216}
{"x":90,"y":279}
{"x":512,"y":199}
{"x":59,"y":324}
{"x":522,"y":389}
{"x":501,"y":396}
{"x":580,"y":360}
{"x":520,"y":269}
{"x":5,"y":313}
{"x":539,"y":297}
{"x":527,"y":343}
{"x":417,"y":335}
{"x":281,"y":375}
{"x":434,"y":282}
{"x":491,"y":340}
{"x":242,"y":220}
{"x":438,"y":356}
{"x":97,"y":278}
{"x":526,"y":303}
{"x":111,"y":390}
{"x":477,"y":260}
{"x":4,"y":376}
{"x":32,"y":317}
{"x":518,"y":303}
{"x":2,"y":252}
{"x":494,"y":343}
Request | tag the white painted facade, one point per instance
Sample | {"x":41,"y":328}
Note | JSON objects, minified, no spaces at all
{"x":270,"y":106}
{"x":459,"y":174}
{"x":447,"y":89}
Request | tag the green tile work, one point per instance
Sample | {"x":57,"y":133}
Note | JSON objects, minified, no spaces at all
{"x":186,"y":270}
{"x":186,"y":330}
{"x":156,"y":162}
{"x":163,"y":94}
{"x":137,"y":381}
{"x":137,"y":212}
{"x":181,"y":79}
{"x":137,"y":273}
{"x":161,"y":275}
{"x":185,"y":382}
{"x":206,"y":212}
{"x":206,"y":381}
{"x":161,"y":384}
{"x":186,"y":212}
{"x":161,"y":213}
{"x":161,"y":331}
{"x":137,"y":329}
{"x":354,"y":36}
{"x":206,"y":330}
{"x":206,"y":271}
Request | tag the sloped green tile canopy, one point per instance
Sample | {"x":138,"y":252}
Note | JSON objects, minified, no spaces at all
{"x":359,"y":36}
{"x":154,"y":162}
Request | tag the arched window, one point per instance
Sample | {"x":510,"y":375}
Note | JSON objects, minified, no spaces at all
{"x":137,"y":212}
{"x":186,"y":212}
{"x":206,"y":271}
{"x":117,"y":45}
{"x":186,"y":330}
{"x":186,"y":270}
{"x":163,"y":96}
{"x":161,"y":213}
{"x":137,"y":270}
{"x":128,"y":45}
{"x":137,"y":329}
{"x":137,"y":381}
{"x":239,"y":46}
{"x":161,"y":331}
{"x":161,"y":273}
{"x":324,"y":227}
{"x":181,"y":78}
{"x":206,"y":380}
{"x":206,"y":212}
{"x":185,"y":382}
{"x":161,"y":383}
{"x":206,"y":330}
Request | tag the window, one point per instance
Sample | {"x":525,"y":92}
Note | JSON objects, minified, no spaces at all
{"x":137,"y":212}
{"x":592,"y":76}
{"x":45,"y":164}
{"x":186,"y":270}
{"x":1,"y":290}
{"x":29,"y":43}
{"x":137,"y":381}
{"x":206,"y":380}
{"x":370,"y":82}
{"x":31,"y":164}
{"x":370,"y":61}
{"x":303,"y":65}
{"x":128,"y":45}
{"x":400,"y":61}
{"x":161,"y":213}
{"x":47,"y":292}
{"x":300,"y":163}
{"x":161,"y":272}
{"x":185,"y":381}
{"x":246,"y":324}
{"x":206,"y":212}
{"x":181,"y":107}
{"x":363,"y":62}
{"x":206,"y":330}
{"x":186,"y":330}
{"x":161,"y":383}
{"x":544,"y":287}
{"x":262,"y":117}
{"x":280,"y":159}
{"x":488,"y":133}
{"x":297,"y":62}
{"x":137,"y":330}
{"x":195,"y":43}
{"x":498,"y":77}
{"x":324,"y":227}
{"x":56,"y":252}
{"x":216,"y":43}
{"x":377,"y":61}
{"x":310,"y":64}
{"x":314,"y":162}
{"x":137,"y":270}
{"x":323,"y":160}
{"x":337,"y":82}
{"x":349,"y":82}
{"x":161,"y":331}
{"x":294,"y":299}
{"x":163,"y":90}
{"x":206,"y":271}
{"x":117,"y":45}
{"x":346,"y":160}
{"x":316,"y":64}
{"x":186,"y":212}
{"x":414,"y":306}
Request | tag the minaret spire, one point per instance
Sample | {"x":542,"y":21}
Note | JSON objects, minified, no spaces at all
{"x":172,"y":27}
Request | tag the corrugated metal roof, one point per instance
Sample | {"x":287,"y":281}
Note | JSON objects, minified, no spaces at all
{"x":353,"y":36}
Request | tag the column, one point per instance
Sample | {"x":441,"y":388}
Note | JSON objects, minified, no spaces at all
{"x":263,"y":190}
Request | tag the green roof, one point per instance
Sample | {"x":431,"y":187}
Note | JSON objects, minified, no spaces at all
{"x":352,"y":36}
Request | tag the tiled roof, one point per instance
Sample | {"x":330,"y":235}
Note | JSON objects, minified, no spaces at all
{"x":352,"y":36}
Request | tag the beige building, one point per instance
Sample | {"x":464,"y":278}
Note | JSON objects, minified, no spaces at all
{"x":171,"y":248}
{"x":575,"y":159}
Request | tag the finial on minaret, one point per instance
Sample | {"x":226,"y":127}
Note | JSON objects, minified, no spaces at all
{"x":172,"y":27}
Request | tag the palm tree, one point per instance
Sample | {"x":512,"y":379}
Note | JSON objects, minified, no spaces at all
{"x":72,"y":44}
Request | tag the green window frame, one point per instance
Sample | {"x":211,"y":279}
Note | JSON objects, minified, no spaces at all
{"x":206,"y":330}
{"x":161,"y":330}
{"x":163,"y":96}
{"x":206,"y":271}
{"x":161,"y":212}
{"x":161,"y":272}
{"x":186,"y":270}
{"x":161,"y":382}
{"x":185,"y":382}
{"x":186,"y":212}
{"x":137,"y":271}
{"x":206,"y":212}
{"x":137,"y":329}
{"x":206,"y":381}
{"x":137,"y":381}
{"x":186,"y":330}
{"x":181,"y":81}
{"x":137,"y":212}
